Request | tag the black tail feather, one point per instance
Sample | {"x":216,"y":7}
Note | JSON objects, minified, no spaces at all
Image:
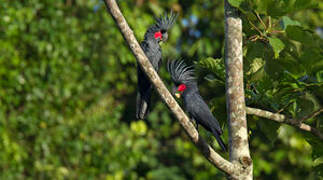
{"x":143,"y":105}
{"x":219,"y":139}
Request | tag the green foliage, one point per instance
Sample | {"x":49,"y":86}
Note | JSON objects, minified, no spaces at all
{"x":214,"y":66}
{"x":235,"y":3}
{"x":286,"y":21}
{"x":283,"y":70}
{"x":68,"y":88}
{"x":277,"y":45}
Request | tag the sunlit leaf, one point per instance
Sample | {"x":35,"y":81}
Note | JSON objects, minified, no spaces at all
{"x":235,"y":3}
{"x":286,"y":21}
{"x":277,"y":45}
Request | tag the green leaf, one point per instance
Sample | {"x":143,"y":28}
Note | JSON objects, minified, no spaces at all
{"x":256,"y":70}
{"x":311,"y":58}
{"x":269,"y":129}
{"x":318,"y":161}
{"x":262,"y":5}
{"x":276,"y":8}
{"x":299,"y":34}
{"x":139,"y":127}
{"x":286,"y":21}
{"x":277,"y":46}
{"x":255,"y":50}
{"x":319,"y":171}
{"x":292,"y":66}
{"x":235,"y":3}
{"x":273,"y":68}
{"x":214,"y":66}
{"x":257,"y":64}
{"x":305,"y":106}
{"x":319,"y":76}
{"x":303,"y":4}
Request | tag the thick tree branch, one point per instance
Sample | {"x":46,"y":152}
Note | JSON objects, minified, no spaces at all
{"x":238,"y":134}
{"x":283,"y":119}
{"x":206,"y":149}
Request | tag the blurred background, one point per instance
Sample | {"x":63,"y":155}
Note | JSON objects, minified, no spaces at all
{"x":68,"y":89}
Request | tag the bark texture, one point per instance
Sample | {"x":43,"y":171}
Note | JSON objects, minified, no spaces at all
{"x":238,"y":135}
{"x":207,"y":150}
{"x":283,"y":119}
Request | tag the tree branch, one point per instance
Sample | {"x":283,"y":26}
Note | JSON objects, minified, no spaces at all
{"x":310,"y":116}
{"x":283,"y":119}
{"x":206,"y":149}
{"x":238,"y":134}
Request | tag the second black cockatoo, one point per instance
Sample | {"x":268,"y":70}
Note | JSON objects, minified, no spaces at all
{"x":155,"y":34}
{"x":186,"y":86}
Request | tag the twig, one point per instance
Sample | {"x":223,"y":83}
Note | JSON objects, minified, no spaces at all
{"x":315,"y":113}
{"x":284,"y":107}
{"x":277,"y":32}
{"x":254,"y":27}
{"x":282,"y":119}
{"x":206,"y":149}
{"x":259,"y":18}
{"x":269,"y":22}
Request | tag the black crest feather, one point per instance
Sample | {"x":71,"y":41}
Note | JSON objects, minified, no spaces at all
{"x":166,"y":22}
{"x":180,"y":72}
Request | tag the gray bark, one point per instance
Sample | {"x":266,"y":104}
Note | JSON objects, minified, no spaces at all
{"x":283,"y":119}
{"x":238,"y":135}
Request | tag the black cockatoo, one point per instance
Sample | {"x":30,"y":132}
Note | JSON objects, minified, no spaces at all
{"x":155,"y":34}
{"x":186,"y":86}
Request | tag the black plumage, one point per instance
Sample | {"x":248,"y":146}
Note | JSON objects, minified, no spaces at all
{"x":155,"y":34}
{"x":186,"y":86}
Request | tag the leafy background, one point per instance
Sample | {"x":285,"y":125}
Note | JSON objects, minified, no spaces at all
{"x":68,"y":86}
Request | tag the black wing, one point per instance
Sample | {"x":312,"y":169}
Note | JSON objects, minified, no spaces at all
{"x":203,"y":114}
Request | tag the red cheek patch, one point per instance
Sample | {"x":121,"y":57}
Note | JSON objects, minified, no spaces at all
{"x":158,"y":35}
{"x":181,"y":87}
